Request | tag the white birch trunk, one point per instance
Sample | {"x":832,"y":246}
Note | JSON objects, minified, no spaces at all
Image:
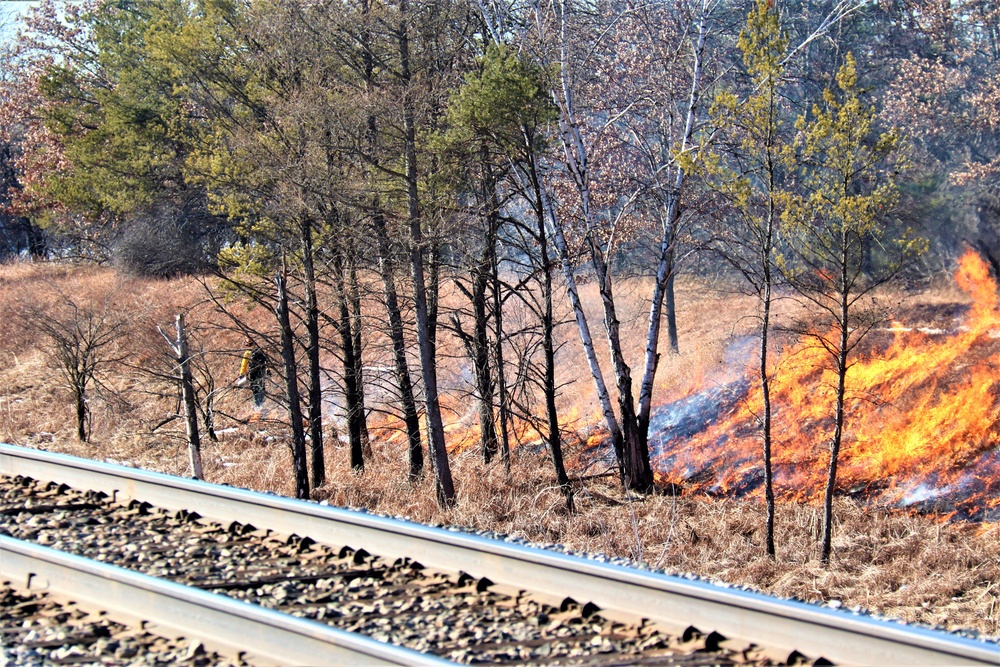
{"x":662,"y":272}
{"x":586,"y":339}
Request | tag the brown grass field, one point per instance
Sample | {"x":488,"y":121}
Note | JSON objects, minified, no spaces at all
{"x":904,"y":565}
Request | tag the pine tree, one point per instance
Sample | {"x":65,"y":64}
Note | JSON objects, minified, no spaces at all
{"x":839,"y":248}
{"x":747,"y":170}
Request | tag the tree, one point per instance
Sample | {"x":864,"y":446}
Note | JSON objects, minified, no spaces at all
{"x":484,"y":118}
{"x":112,"y":131}
{"x":838,"y":249}
{"x":571,"y":40}
{"x":388,"y":262}
{"x":179,"y":346}
{"x":18,"y":233}
{"x":944,"y":87}
{"x":245,"y":269}
{"x":501,"y":111}
{"x":424,"y":306}
{"x":39,"y":154}
{"x":494,"y":131}
{"x":164,"y":380}
{"x":748,"y":171}
{"x":81,"y":341}
{"x":387,"y":268}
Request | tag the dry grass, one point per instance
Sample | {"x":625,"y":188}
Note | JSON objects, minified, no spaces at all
{"x":901,"y":565}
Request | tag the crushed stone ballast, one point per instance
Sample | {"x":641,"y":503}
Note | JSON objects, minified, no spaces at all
{"x":456,"y":596}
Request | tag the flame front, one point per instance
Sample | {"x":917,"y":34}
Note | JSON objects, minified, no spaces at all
{"x":921,"y":419}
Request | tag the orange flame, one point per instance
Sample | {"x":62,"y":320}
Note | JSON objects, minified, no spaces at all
{"x":922,"y":419}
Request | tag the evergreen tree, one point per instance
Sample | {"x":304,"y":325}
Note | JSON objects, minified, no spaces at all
{"x":748,"y":171}
{"x":839,"y":247}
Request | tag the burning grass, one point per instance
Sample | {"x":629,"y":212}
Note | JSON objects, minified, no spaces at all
{"x":899,"y":563}
{"x":923,"y":411}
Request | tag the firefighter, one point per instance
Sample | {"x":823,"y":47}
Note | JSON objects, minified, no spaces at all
{"x":253,"y":371}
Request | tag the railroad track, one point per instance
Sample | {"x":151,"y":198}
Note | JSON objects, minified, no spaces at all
{"x":426,"y":595}
{"x":39,"y":629}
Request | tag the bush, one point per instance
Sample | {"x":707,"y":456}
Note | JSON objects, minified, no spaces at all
{"x":171,"y":239}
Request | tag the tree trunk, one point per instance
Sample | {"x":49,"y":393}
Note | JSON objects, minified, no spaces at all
{"x":548,"y":348}
{"x":831,"y":478}
{"x":482,"y":274}
{"x":208,"y":417}
{"x":502,"y":392}
{"x":433,"y":289}
{"x":662,"y":288}
{"x":317,"y":459}
{"x":387,"y":271}
{"x":838,"y":432}
{"x":425,"y":340}
{"x":765,"y":333}
{"x":348,"y":359}
{"x":187,"y":394}
{"x":490,"y":267}
{"x":80,"y":397}
{"x":554,"y":437}
{"x":299,"y":462}
{"x":37,"y":245}
{"x":765,"y":386}
{"x":359,"y":372}
{"x":638,"y":473}
{"x":583,"y":328}
{"x":480,"y":352}
{"x":670,"y":307}
{"x":386,"y":266}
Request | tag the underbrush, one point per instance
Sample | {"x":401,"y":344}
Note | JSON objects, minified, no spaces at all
{"x":903,"y":565}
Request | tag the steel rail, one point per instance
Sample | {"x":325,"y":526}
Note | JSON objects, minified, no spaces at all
{"x":262,"y":636}
{"x":775,"y":624}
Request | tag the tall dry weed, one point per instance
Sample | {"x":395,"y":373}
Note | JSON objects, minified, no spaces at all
{"x":901,"y":565}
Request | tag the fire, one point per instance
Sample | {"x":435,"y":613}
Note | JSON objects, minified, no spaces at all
{"x":922,"y":419}
{"x":463,"y":432}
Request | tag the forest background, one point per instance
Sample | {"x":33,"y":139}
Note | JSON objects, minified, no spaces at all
{"x":433,"y":216}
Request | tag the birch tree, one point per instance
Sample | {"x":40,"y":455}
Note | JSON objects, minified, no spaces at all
{"x":179,"y":346}
{"x":561,"y":33}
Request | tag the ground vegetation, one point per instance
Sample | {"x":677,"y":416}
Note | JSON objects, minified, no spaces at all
{"x":915,"y":566}
{"x":460,"y":183}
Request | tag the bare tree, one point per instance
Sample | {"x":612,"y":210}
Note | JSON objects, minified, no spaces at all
{"x":179,"y":346}
{"x":566,"y":37}
{"x":81,"y":341}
